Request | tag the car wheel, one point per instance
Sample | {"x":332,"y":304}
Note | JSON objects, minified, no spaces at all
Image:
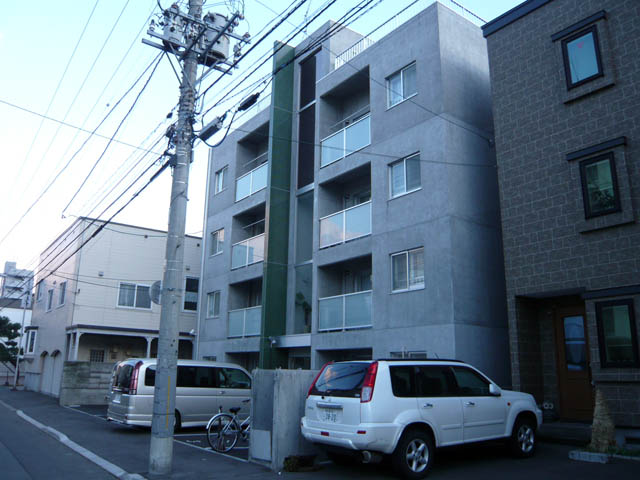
{"x":177,"y":421}
{"x":413,"y":456}
{"x":523,"y":438}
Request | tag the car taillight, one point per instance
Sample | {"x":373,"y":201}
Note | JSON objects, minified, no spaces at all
{"x":366,"y":394}
{"x":313,"y":384}
{"x":133,"y":384}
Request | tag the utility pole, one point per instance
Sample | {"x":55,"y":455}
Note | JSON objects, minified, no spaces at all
{"x":193,"y":41}
{"x":25,"y":303}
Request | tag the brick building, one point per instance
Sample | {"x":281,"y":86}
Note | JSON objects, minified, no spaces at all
{"x":565,"y":102}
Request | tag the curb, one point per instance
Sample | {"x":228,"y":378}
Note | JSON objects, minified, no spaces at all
{"x":92,"y":457}
{"x":594,"y":457}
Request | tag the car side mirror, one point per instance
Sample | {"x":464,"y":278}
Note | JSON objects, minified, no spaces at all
{"x":494,"y":390}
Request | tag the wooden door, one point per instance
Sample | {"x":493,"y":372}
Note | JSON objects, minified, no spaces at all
{"x":574,"y":378}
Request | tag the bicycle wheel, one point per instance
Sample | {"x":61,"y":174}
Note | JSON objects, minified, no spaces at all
{"x":222,"y":432}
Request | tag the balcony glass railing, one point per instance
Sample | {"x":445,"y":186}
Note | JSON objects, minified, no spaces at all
{"x":346,"y":225}
{"x":247,"y":252}
{"x":343,"y":312}
{"x":245,"y":322}
{"x":252,"y":182}
{"x":346,"y":141}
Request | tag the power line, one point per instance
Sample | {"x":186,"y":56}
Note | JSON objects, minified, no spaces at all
{"x":114,"y":134}
{"x":55,"y":93}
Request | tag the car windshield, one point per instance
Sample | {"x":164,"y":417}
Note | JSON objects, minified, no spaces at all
{"x":341,"y":380}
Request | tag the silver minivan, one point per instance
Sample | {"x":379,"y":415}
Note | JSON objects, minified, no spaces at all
{"x":202,"y":388}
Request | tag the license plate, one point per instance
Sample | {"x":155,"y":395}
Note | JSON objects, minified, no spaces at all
{"x":116,"y":397}
{"x":331,"y":416}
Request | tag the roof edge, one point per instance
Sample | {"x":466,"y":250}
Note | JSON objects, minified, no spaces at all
{"x":512,"y":15}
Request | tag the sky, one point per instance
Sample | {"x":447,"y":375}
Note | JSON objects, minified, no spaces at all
{"x":77,"y":74}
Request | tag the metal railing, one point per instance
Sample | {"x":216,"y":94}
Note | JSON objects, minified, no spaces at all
{"x":348,"y":224}
{"x":245,"y":322}
{"x":345,"y":141}
{"x":343,"y":312}
{"x":247,"y":252}
{"x":252,"y":182}
{"x":394,"y":22}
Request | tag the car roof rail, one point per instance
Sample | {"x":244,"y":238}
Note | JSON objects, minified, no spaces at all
{"x":420,"y":360}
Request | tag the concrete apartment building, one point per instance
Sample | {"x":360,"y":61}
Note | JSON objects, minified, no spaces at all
{"x":96,"y":307}
{"x":565,"y":100}
{"x":15,"y":282}
{"x":357,"y":216}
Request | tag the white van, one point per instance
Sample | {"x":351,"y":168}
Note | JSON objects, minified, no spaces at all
{"x":202,"y":389}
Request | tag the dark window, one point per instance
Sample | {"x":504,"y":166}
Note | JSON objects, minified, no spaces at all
{"x":341,"y":380}
{"x":233,"y":378}
{"x":402,"y":381}
{"x":150,"y":376}
{"x":306,"y":145}
{"x":470,"y":383}
{"x":191,"y":294}
{"x":599,"y":186}
{"x":434,"y":381}
{"x":581,"y":53}
{"x":617,"y":333}
{"x":122,"y":377}
{"x":307,"y":81}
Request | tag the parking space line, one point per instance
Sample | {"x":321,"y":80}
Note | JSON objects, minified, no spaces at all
{"x":208,"y":449}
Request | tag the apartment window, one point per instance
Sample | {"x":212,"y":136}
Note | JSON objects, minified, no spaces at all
{"x":407,"y":270}
{"x":134,"y":296}
{"x":213,"y":304}
{"x":599,"y":186}
{"x":96,"y":356}
{"x":39,"y":291}
{"x":581,"y":55}
{"x":401,"y":85}
{"x":191,"y":294}
{"x":221,"y":180}
{"x":63,"y":293}
{"x":404,"y":176}
{"x":617,"y":333}
{"x":31,"y":341}
{"x":217,"y":241}
{"x":49,"y":299}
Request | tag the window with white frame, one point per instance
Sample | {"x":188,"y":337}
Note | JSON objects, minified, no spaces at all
{"x":407,"y":270}
{"x":404,"y":176}
{"x":31,"y":341}
{"x":63,"y":293}
{"x":401,"y":85}
{"x":191,"y":294}
{"x":221,"y":179}
{"x":39,"y":291}
{"x":134,"y":296}
{"x":217,"y":241}
{"x":49,"y":299}
{"x":213,"y":304}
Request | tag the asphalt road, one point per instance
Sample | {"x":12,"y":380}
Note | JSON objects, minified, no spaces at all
{"x":28,"y":453}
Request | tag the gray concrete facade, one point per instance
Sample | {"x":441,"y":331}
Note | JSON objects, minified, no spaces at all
{"x":558,"y":258}
{"x":453,"y":214}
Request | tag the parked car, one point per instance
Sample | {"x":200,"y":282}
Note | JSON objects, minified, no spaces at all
{"x":202,"y":388}
{"x":407,"y":408}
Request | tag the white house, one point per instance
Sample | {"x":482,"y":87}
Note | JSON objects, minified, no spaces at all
{"x":95,"y":305}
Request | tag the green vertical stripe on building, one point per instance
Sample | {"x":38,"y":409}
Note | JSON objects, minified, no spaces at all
{"x":274,"y":283}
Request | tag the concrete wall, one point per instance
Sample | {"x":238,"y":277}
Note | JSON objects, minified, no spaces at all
{"x":85,"y":383}
{"x":277,"y":405}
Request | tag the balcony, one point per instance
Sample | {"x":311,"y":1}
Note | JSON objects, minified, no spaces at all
{"x":247,"y":252}
{"x":245,"y":322}
{"x":343,"y":312}
{"x":349,"y":224}
{"x":346,"y":141}
{"x":252,"y":182}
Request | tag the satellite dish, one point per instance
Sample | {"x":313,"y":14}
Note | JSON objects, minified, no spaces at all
{"x":156,"y":292}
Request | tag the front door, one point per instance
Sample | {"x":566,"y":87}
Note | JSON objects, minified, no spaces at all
{"x":574,"y":379}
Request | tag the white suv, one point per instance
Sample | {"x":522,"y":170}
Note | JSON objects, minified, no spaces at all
{"x":407,"y":408}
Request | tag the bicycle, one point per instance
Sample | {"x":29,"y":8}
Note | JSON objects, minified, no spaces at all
{"x":224,"y":429}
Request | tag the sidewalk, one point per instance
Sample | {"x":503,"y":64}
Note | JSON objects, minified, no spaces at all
{"x":126,"y":447}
